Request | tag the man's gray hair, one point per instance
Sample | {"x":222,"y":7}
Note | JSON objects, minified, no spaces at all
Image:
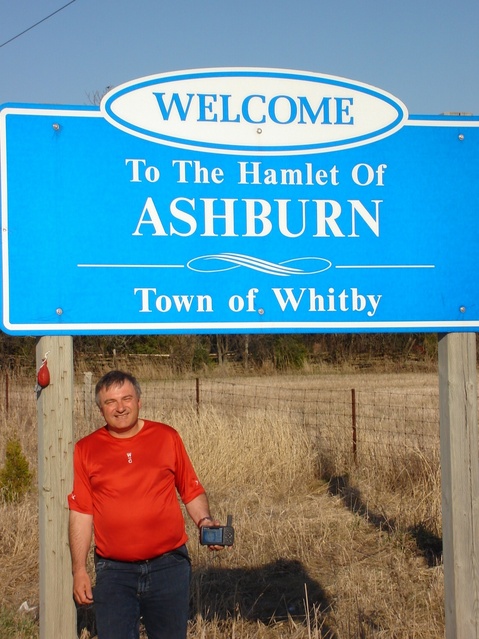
{"x":115,"y":378}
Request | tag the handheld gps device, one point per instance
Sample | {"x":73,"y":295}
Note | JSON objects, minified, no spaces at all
{"x":218,"y":535}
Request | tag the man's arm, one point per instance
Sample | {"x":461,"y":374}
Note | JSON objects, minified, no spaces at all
{"x":80,"y":535}
{"x":198,"y":509}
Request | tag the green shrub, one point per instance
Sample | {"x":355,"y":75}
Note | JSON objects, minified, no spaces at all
{"x":15,"y":477}
{"x":289,"y":352}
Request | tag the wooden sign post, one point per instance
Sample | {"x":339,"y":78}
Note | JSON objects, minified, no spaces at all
{"x":460,"y":483}
{"x":55,"y":480}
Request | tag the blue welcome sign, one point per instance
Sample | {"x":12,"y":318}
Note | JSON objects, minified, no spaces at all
{"x":238,"y":200}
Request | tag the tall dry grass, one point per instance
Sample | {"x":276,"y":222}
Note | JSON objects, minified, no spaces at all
{"x":324,"y":548}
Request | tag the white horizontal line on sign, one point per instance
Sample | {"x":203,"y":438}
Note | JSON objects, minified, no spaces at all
{"x":85,"y":328}
{"x":386,"y":266}
{"x":130,"y":266}
{"x":344,"y":266}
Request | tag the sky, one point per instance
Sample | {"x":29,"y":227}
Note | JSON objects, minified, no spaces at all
{"x":424,"y":52}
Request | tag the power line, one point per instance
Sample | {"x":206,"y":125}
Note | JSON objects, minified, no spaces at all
{"x":37,"y":23}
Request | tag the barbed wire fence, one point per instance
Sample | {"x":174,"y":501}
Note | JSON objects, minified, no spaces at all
{"x":373,"y":430}
{"x":351,"y":426}
{"x":354,"y":419}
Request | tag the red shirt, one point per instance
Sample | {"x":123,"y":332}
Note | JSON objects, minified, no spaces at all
{"x":130,"y":487}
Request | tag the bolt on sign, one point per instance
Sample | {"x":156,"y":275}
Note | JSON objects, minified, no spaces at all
{"x":238,"y":200}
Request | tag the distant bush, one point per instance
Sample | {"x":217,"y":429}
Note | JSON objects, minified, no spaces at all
{"x":15,"y":477}
{"x":289,"y":353}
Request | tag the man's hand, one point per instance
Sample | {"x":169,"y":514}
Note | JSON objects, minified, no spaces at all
{"x":82,"y":591}
{"x":199,"y":511}
{"x":206,"y":524}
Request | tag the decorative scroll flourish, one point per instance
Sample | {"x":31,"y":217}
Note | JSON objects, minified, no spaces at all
{"x":219,"y":262}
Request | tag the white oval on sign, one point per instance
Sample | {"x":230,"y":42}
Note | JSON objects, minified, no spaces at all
{"x":253,"y":111}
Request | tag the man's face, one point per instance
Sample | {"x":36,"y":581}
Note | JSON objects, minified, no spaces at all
{"x":120,"y":406}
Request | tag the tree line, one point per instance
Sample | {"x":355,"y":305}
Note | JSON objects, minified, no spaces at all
{"x":279,"y":351}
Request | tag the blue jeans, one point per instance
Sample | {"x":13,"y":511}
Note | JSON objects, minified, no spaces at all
{"x":156,"y":590}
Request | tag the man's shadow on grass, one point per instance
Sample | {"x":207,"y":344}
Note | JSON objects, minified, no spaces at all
{"x":428,"y":544}
{"x":269,"y":594}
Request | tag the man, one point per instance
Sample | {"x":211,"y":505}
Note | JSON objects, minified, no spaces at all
{"x":126,"y":478}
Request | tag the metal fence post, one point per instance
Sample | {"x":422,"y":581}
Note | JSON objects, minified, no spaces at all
{"x":6,"y":393}
{"x":87,"y":396}
{"x":198,"y":396}
{"x":355,"y":434}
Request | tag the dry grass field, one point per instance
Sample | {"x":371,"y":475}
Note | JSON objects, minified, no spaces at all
{"x":325,"y":547}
